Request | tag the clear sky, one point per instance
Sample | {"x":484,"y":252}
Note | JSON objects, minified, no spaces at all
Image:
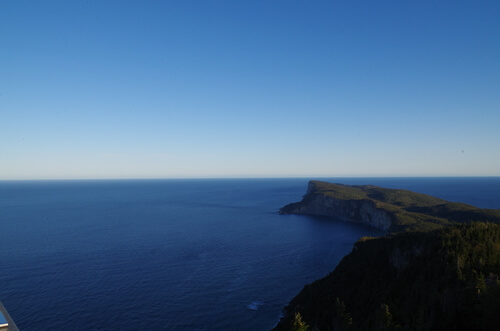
{"x":161,"y":89}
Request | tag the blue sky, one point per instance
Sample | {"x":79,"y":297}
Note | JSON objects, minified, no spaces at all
{"x":162,"y":89}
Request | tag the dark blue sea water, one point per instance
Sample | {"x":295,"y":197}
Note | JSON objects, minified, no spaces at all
{"x":174,"y":254}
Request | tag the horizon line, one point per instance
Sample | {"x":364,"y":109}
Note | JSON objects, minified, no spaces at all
{"x":242,"y":177}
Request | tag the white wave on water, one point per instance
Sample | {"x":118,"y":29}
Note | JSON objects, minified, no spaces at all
{"x":254,"y":305}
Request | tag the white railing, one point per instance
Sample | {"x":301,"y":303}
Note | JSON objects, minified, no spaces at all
{"x":6,"y":323}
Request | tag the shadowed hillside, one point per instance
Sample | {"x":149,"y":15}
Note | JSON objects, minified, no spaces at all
{"x":445,"y":279}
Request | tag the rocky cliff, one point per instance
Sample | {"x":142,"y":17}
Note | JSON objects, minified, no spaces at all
{"x":388,"y":209}
{"x":316,"y":203}
{"x":439,"y":273}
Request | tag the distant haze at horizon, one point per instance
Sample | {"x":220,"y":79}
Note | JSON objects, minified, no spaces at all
{"x":249,"y":89}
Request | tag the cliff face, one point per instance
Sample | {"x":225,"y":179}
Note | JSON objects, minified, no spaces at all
{"x":435,"y":274}
{"x":388,"y":209}
{"x":350,"y":210}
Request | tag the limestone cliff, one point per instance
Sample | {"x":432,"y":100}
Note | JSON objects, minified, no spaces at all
{"x":393,"y":210}
{"x":316,"y":203}
{"x":436,"y":274}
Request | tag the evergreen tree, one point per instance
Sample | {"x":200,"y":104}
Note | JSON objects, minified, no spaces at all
{"x":342,"y":320}
{"x":383,"y":319}
{"x":298,"y":324}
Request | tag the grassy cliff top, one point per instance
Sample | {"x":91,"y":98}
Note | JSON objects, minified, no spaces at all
{"x":402,"y":198}
{"x":410,"y":210}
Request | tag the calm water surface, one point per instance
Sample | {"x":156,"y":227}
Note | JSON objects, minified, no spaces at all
{"x":174,"y":254}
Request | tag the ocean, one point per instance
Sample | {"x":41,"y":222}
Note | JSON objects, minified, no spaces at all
{"x":190,"y":254}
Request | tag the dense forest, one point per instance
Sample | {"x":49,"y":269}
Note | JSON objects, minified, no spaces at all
{"x":445,"y":279}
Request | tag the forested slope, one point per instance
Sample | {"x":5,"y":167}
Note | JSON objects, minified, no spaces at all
{"x":444,"y":279}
